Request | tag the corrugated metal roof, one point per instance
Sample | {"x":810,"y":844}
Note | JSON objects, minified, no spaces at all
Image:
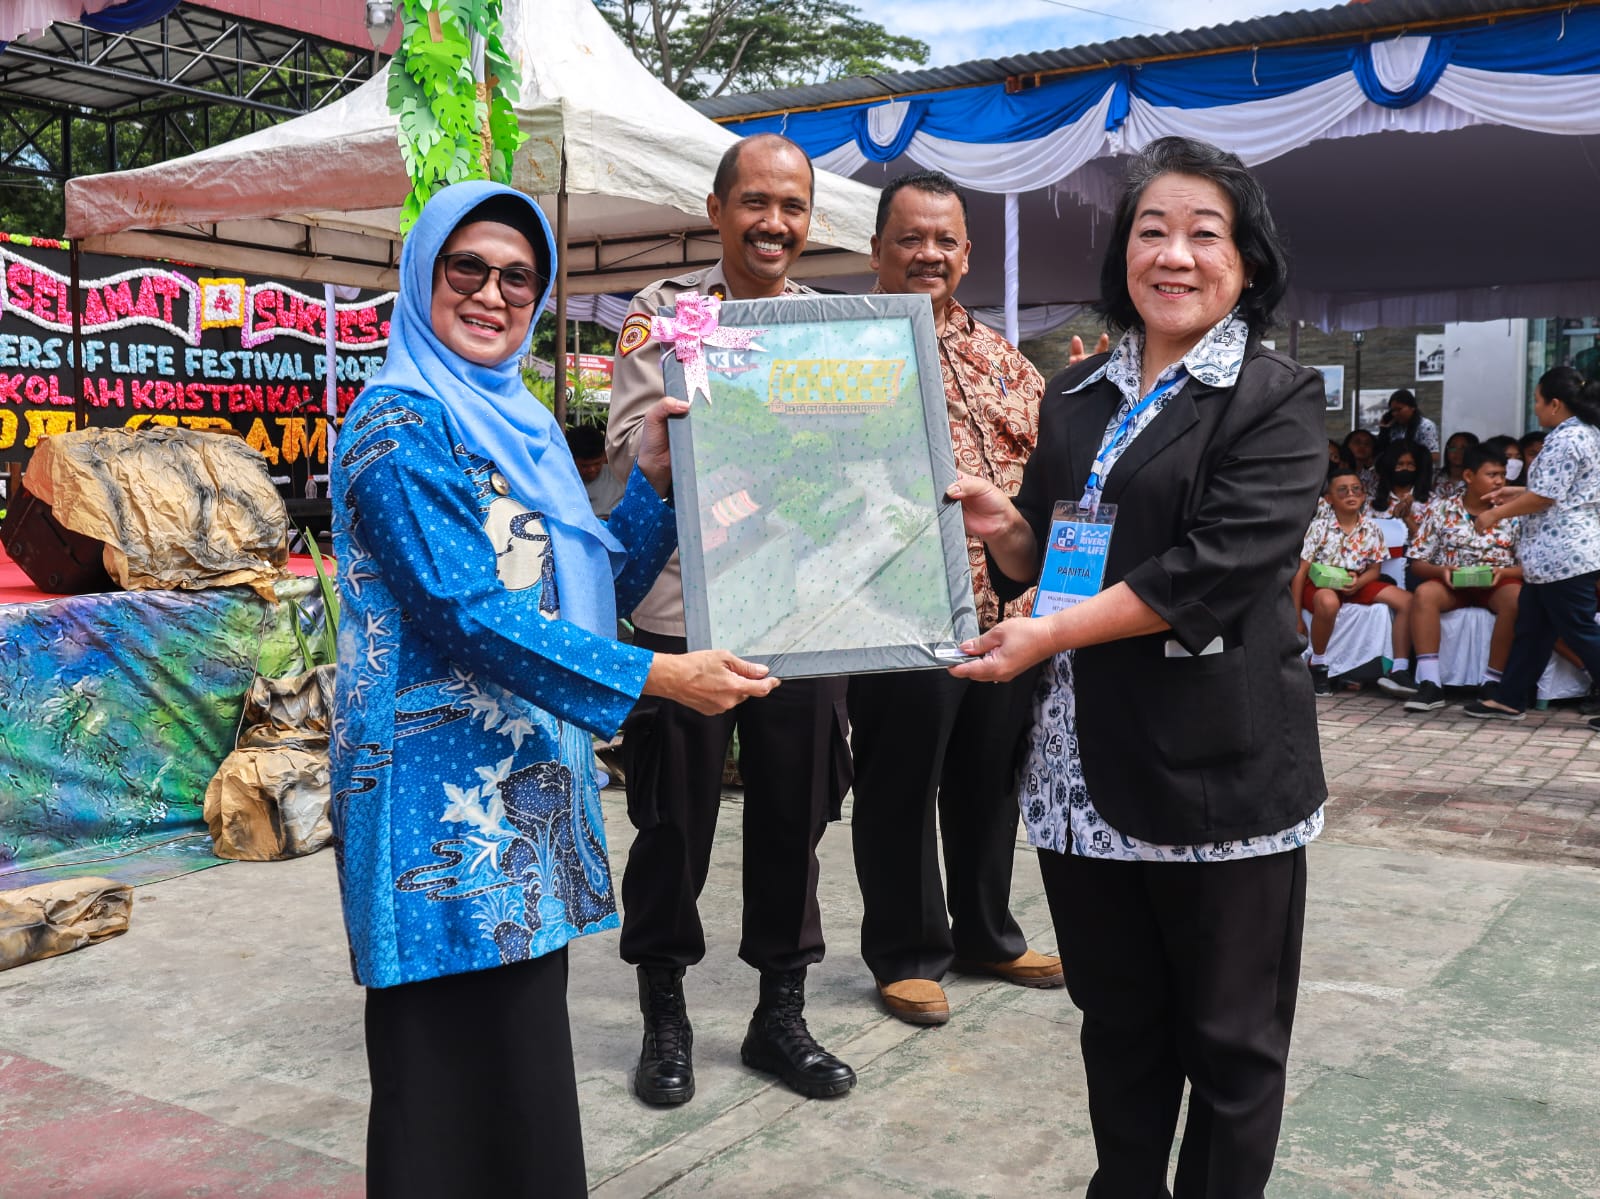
{"x":1353,"y":20}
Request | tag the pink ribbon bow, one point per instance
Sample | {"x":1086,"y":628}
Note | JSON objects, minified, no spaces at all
{"x":694,"y":325}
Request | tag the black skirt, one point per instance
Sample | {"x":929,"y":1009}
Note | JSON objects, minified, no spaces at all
{"x":473,"y":1087}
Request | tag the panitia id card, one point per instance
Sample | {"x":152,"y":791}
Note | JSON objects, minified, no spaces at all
{"x":1075,"y":560}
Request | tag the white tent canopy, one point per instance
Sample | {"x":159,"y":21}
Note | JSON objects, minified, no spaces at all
{"x":1427,"y":160}
{"x":318,"y":197}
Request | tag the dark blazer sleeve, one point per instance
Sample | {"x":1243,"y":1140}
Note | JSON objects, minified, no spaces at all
{"x":1251,"y":515}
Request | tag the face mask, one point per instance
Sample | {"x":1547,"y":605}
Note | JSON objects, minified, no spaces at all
{"x":1404,"y":478}
{"x":1513,"y":469}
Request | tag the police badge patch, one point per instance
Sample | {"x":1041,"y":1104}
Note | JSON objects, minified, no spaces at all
{"x":635,"y":332}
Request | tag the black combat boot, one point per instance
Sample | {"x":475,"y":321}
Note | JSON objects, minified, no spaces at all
{"x":779,"y":1042}
{"x":666,"y":1061}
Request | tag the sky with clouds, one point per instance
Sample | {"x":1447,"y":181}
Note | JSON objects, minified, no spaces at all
{"x":961,"y":30}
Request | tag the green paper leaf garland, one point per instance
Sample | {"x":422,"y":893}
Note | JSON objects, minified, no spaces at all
{"x":443,"y":112}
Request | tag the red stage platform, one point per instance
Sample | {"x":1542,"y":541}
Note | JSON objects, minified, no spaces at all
{"x":17,"y":588}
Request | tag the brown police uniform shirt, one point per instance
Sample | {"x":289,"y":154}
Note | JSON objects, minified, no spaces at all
{"x":993,"y":396}
{"x":636,"y":384}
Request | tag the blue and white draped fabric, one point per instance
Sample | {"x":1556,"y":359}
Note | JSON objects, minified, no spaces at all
{"x":1053,"y":794}
{"x":1540,"y":73}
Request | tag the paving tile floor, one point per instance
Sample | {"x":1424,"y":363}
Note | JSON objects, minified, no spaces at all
{"x":1440,"y":780}
{"x":1446,"y":1044}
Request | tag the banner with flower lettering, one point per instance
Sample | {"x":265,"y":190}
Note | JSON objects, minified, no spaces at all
{"x":174,"y":345}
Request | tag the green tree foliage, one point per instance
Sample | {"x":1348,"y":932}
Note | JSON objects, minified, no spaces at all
{"x":583,"y":337}
{"x":31,"y":205}
{"x":32,"y":199}
{"x":706,"y":47}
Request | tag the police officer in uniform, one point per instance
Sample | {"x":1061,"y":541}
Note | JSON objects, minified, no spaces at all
{"x":794,"y":755}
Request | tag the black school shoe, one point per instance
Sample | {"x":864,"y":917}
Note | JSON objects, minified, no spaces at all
{"x":1479,"y":710}
{"x":1319,"y":681}
{"x":1399,"y":682}
{"x":1429,"y":696}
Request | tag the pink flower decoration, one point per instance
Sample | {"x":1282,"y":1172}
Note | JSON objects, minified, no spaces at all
{"x":696,"y":315}
{"x":693,"y":325}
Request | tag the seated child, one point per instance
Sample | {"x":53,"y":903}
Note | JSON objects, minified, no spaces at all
{"x":588,"y":446}
{"x":1405,"y":485}
{"x":1343,"y":535}
{"x":1455,"y":450}
{"x":1530,"y":444}
{"x":1361,"y":448}
{"x":1447,"y":540}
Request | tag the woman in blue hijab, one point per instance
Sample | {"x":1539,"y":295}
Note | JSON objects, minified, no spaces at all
{"x":477,"y":654}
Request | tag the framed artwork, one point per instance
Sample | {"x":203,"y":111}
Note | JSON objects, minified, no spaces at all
{"x":1371,"y":404}
{"x":1332,"y":387}
{"x":1430,"y":357}
{"x":809,"y":480}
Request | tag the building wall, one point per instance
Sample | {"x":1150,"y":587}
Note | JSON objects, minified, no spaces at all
{"x":344,"y":22}
{"x":1485,"y":377}
{"x":1484,"y":388}
{"x":1388,"y":361}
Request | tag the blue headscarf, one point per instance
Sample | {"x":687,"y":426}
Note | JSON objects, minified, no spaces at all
{"x":494,"y":415}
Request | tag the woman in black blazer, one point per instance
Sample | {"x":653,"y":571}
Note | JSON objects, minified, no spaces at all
{"x":1173,"y":775}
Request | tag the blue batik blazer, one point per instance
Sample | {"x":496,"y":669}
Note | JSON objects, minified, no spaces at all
{"x":466,"y":815}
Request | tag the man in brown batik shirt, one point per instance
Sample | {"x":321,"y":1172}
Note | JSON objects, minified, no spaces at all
{"x":924,"y":739}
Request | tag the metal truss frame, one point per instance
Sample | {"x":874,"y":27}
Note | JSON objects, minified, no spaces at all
{"x":74,"y":100}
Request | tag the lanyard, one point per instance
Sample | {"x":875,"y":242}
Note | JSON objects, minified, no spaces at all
{"x":1093,"y":488}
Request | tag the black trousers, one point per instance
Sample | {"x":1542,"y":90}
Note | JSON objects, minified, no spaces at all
{"x":473,"y":1088}
{"x":795,"y":761}
{"x":1182,"y":971}
{"x":1548,"y":612}
{"x":924,"y":740}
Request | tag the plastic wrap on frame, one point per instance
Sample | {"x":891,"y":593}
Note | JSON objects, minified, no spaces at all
{"x":827,"y":475}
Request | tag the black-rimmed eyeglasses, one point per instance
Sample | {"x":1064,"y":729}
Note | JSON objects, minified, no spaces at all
{"x":466,"y":274}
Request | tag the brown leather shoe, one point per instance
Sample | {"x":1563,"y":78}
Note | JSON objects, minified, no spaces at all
{"x":1030,"y":970}
{"x":916,"y":1000}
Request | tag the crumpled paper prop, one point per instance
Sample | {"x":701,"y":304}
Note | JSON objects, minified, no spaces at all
{"x":175,"y":507}
{"x":269,"y":798}
{"x":695,"y":324}
{"x":53,"y":918}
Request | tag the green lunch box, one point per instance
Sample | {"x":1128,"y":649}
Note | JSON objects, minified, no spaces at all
{"x":1336,"y":577}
